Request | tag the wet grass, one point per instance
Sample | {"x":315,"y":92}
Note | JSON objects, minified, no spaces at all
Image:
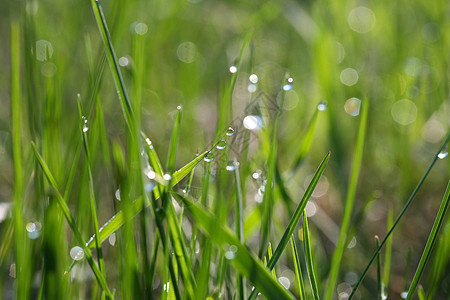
{"x":173,"y":150}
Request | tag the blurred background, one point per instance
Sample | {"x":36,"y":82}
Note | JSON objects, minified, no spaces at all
{"x":394,"y":54}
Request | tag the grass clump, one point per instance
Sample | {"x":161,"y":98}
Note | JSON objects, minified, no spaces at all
{"x":159,"y":150}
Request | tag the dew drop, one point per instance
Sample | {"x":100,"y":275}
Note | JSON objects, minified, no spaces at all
{"x":77,"y":253}
{"x":233,"y":69}
{"x":443,"y":154}
{"x":33,"y":230}
{"x":284,"y":282}
{"x":252,"y":88}
{"x":112,"y":239}
{"x":85,"y":124}
{"x":232,"y":165}
{"x":287,"y":87}
{"x":167,"y":177}
{"x":261,"y":190}
{"x":253,"y":78}
{"x":222,"y":144}
{"x":230,"y":131}
{"x":209,"y":157}
{"x":124,"y":61}
{"x":322,"y":106}
{"x":117,"y":194}
{"x":352,"y":106}
{"x":231,"y":253}
{"x":252,"y":122}
{"x":257,"y":174}
{"x":404,"y":295}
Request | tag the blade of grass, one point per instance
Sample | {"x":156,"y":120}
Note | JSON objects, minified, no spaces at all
{"x":117,"y":220}
{"x":388,"y":252}
{"x":239,"y":228}
{"x":309,"y":258}
{"x":379,"y":282}
{"x":349,"y":202}
{"x":65,"y":210}
{"x":269,"y":253}
{"x":113,"y":63}
{"x":295,"y":217}
{"x":298,"y":270}
{"x":397,"y":220}
{"x":21,"y":251}
{"x":243,"y":261}
{"x":83,"y":131}
{"x":432,"y":238}
{"x":174,"y":142}
{"x":266,"y":216}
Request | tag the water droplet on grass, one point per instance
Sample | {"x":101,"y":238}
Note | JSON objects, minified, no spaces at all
{"x":85,"y":124}
{"x":33,"y":230}
{"x":443,"y":154}
{"x":404,"y":295}
{"x":124,"y":61}
{"x":287,"y":87}
{"x":222,"y":144}
{"x":117,"y":194}
{"x":231,"y":252}
{"x":230,"y":131}
{"x":257,"y":174}
{"x":322,"y":106}
{"x":252,"y":122}
{"x":77,"y":253}
{"x":253,"y":78}
{"x":167,"y":177}
{"x":233,"y":69}
{"x":112,"y":239}
{"x":209,"y":157}
{"x":232,"y":165}
{"x":352,"y":106}
{"x":252,"y":88}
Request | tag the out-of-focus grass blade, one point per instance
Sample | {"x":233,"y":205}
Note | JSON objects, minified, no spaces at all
{"x":295,"y":217}
{"x":306,"y":142}
{"x":421,"y":293}
{"x":22,"y":254}
{"x":269,"y":253}
{"x":118,"y":219}
{"x":239,"y":228}
{"x":174,"y":142}
{"x":309,"y":258}
{"x":397,"y":220}
{"x":430,"y":243}
{"x":298,"y":270}
{"x":113,"y":63}
{"x":379,"y":282}
{"x":266,"y":216}
{"x":349,"y":201}
{"x":388,"y":252}
{"x":242,"y":259}
{"x":65,"y":210}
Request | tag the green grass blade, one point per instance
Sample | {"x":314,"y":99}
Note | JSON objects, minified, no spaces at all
{"x":397,"y":220}
{"x":174,"y":142}
{"x":65,"y":210}
{"x":432,"y":238}
{"x":298,"y":270}
{"x":421,"y":293}
{"x":266,"y":218}
{"x":113,"y":63}
{"x":295,"y":217}
{"x":118,"y":219}
{"x":309,"y":258}
{"x":269,"y":253}
{"x":388,"y":252}
{"x":379,"y":281}
{"x":83,"y":131}
{"x":21,"y":251}
{"x":243,"y":260}
{"x":349,"y":201}
{"x":239,"y":228}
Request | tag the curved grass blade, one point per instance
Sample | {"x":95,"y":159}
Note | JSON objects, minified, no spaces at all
{"x":83,"y":132}
{"x":397,"y":220}
{"x":118,"y":219}
{"x":349,"y":201}
{"x":298,"y":270}
{"x":245,"y":262}
{"x":65,"y":210}
{"x":388,"y":252}
{"x":174,"y":142}
{"x":432,"y":238}
{"x":295,"y":218}
{"x":309,"y":258}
